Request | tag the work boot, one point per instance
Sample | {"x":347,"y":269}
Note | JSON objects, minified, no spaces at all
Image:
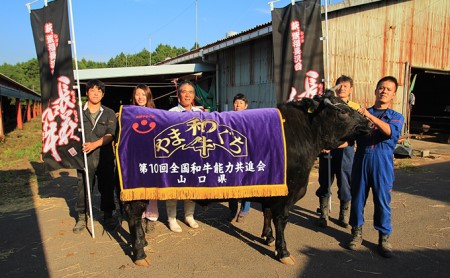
{"x":189,"y":209}
{"x":171,"y":206}
{"x":356,"y":241}
{"x":384,"y":247}
{"x":344,"y":214}
{"x":81,"y":223}
{"x":324,"y":210}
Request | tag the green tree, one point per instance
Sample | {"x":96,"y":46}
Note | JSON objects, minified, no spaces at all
{"x":88,"y":64}
{"x":163,"y":52}
{"x":27,"y":73}
{"x":196,"y":46}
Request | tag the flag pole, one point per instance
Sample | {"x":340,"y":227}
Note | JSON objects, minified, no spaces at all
{"x":86,"y":170}
{"x":327,"y":82}
{"x":271,"y":4}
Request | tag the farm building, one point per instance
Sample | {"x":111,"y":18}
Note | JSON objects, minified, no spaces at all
{"x":367,"y":39}
{"x":17,"y":104}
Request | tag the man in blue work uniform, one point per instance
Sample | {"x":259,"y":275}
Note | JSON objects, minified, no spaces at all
{"x":341,"y":161}
{"x":374,"y":167}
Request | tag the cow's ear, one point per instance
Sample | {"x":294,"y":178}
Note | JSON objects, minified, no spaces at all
{"x":332,"y":91}
{"x":310,"y":105}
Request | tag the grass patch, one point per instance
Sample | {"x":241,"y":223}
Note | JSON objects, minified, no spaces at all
{"x":22,"y":145}
{"x":407,"y":165}
{"x":12,"y":155}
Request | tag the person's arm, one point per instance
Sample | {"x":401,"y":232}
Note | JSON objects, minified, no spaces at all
{"x":107,"y":138}
{"x":382,"y":126}
{"x":91,"y":146}
{"x":344,"y":145}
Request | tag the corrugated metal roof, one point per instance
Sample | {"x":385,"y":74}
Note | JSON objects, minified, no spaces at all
{"x":88,"y":74}
{"x":13,"y":89}
{"x":13,"y":93}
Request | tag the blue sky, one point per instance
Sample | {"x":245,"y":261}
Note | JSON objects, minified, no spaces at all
{"x":104,"y":28}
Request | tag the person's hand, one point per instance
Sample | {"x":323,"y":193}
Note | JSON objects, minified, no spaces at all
{"x":325,"y":151}
{"x":89,"y":147}
{"x":363,"y":111}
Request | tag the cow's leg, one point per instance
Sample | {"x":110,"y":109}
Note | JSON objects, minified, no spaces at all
{"x":134,"y":210}
{"x":280,"y":219}
{"x":267,"y":234}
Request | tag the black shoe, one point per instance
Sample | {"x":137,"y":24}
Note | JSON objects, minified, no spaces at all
{"x":323,"y":210}
{"x":81,"y":224}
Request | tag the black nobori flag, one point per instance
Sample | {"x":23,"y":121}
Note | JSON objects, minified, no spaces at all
{"x":61,"y":139}
{"x":298,"y":50}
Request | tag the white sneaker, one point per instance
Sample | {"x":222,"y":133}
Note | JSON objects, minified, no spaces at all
{"x":173,"y":226}
{"x":191,"y":222}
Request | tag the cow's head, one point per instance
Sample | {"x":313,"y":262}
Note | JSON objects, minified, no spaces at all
{"x":334,"y":121}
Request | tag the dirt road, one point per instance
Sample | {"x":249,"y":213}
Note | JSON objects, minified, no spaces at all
{"x":37,"y":240}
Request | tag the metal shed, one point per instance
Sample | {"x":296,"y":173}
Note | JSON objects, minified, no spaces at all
{"x":367,"y":39}
{"x":12,"y":110}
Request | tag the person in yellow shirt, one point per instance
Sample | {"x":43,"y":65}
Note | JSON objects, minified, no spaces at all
{"x":341,"y":160}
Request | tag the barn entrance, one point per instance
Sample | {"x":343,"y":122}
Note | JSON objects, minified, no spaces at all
{"x":431,"y":110}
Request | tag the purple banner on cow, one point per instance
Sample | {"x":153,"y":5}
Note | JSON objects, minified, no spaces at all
{"x":195,"y":155}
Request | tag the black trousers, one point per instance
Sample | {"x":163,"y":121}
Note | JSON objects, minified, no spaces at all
{"x":103,"y":174}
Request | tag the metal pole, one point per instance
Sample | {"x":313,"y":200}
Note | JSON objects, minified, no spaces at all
{"x":271,"y":4}
{"x":329,"y":157}
{"x":196,"y":24}
{"x":28,"y":5}
{"x":327,"y":80}
{"x":406,"y":91}
{"x":73,"y":42}
{"x":150,"y":51}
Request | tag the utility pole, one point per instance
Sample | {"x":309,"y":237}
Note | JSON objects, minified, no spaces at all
{"x":150,"y":51}
{"x":196,"y":24}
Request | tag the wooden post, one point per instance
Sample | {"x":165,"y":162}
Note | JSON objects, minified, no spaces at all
{"x":19,"y":114}
{"x":28,"y":111}
{"x":34,"y":109}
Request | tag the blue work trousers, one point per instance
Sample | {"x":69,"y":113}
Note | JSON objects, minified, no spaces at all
{"x":341,"y":168}
{"x":233,"y":205}
{"x":372,"y":170}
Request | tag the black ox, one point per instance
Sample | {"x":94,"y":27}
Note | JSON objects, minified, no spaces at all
{"x":310,"y":125}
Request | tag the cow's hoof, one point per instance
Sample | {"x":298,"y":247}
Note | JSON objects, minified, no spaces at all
{"x":269,"y":241}
{"x":288,"y":260}
{"x":142,"y":262}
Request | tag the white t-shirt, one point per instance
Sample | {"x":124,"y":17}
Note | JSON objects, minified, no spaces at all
{"x":180,"y":108}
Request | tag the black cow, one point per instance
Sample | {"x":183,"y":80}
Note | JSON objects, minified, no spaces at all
{"x":310,"y":126}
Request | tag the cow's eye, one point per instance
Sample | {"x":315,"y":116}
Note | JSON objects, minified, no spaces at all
{"x":343,"y":115}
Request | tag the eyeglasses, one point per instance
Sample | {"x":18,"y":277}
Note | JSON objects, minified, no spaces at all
{"x":187,"y":92}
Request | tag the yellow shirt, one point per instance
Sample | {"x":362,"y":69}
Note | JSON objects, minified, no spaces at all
{"x":353,"y":105}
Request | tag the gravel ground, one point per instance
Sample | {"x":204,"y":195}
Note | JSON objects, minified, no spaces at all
{"x":37,"y":240}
